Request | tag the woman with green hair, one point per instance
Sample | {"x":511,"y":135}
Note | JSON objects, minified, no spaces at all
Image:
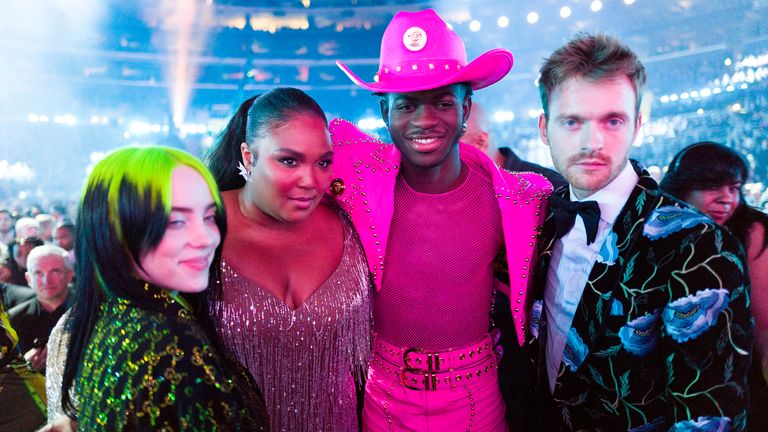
{"x":140,"y":356}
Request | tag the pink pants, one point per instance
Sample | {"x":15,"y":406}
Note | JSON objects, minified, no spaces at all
{"x":472,"y":405}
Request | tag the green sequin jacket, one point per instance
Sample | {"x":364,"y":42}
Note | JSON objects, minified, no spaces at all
{"x":151,"y":370}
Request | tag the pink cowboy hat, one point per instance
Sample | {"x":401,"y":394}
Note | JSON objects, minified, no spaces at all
{"x":419,"y":52}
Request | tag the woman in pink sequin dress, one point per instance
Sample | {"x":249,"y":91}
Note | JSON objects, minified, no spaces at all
{"x":292,"y":299}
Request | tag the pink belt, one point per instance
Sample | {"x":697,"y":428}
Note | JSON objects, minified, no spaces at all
{"x":418,"y":369}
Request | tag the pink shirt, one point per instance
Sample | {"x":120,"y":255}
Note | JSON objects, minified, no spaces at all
{"x":438,"y":284}
{"x":365,"y":172}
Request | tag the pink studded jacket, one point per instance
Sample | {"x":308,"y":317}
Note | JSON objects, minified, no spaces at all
{"x":364,"y":172}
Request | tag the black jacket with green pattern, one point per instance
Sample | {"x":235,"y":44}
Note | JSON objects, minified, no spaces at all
{"x":662,"y":335}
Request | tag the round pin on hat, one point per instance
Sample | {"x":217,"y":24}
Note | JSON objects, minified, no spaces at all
{"x":408,"y":62}
{"x":414,"y":39}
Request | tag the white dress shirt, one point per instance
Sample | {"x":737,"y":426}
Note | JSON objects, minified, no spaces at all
{"x":572,"y":261}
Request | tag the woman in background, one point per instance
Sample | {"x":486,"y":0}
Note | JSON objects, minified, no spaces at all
{"x":17,"y":263}
{"x":150,"y":221}
{"x":710,"y":177}
{"x":293,"y":302}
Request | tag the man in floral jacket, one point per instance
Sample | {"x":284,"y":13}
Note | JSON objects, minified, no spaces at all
{"x":642,"y":319}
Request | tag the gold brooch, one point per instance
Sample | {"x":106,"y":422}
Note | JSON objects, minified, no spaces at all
{"x":337,"y":187}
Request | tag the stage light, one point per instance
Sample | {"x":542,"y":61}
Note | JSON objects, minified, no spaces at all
{"x":565,"y":12}
{"x":736,"y":107}
{"x":730,"y":88}
{"x":206,"y":142}
{"x":728,"y":61}
{"x":533,"y":113}
{"x":629,"y":2}
{"x":33,"y":118}
{"x":371,"y":123}
{"x":502,"y":22}
{"x":67,"y":119}
{"x":673,"y":97}
{"x":717,"y":90}
{"x":474,"y":25}
{"x":694,"y":94}
{"x":141,"y":128}
{"x":533,"y":18}
{"x":596,"y":5}
{"x":700,"y":111}
{"x":705,"y":92}
{"x":503,"y":116}
{"x":744,"y":86}
{"x":664,"y":99}
{"x":684,"y":95}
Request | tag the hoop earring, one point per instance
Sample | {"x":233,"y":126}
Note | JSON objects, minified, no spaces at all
{"x":463,"y":128}
{"x":244,"y":172}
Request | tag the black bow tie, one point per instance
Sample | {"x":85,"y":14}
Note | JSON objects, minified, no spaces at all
{"x":565,"y":211}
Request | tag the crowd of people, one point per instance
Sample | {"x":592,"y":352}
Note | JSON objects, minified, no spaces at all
{"x":305,"y":276}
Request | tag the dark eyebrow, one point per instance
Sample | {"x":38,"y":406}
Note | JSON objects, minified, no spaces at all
{"x":446,"y":94}
{"x":190,"y":210}
{"x":619,"y":114}
{"x":403,"y":97}
{"x":299,"y":155}
{"x":569,"y":116}
{"x":612,"y":114}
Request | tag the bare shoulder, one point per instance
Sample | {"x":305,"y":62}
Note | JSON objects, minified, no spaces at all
{"x":327,"y":216}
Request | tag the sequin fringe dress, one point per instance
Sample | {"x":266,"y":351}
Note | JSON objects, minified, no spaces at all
{"x":306,"y":361}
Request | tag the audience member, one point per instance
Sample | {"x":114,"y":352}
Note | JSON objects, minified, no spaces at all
{"x":150,"y":224}
{"x":45,"y":223}
{"x":5,"y":270}
{"x":293,"y":285}
{"x":643,"y":317}
{"x":11,"y":294}
{"x":49,"y":273}
{"x":18,"y":251}
{"x":64,"y":237}
{"x":435,"y":364}
{"x":7,"y":225}
{"x":711,"y":177}
{"x":22,"y":389}
{"x":59,"y":213}
{"x":479,"y":135}
{"x":27,"y":227}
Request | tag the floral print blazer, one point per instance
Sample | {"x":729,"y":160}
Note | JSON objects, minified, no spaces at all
{"x":662,"y":335}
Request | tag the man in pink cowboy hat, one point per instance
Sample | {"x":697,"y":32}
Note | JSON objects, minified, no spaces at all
{"x":440,"y":225}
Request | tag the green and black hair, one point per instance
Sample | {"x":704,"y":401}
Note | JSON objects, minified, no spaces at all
{"x":123,"y":214}
{"x":252,"y":120}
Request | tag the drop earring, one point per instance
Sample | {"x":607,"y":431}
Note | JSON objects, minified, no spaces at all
{"x":244,"y":172}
